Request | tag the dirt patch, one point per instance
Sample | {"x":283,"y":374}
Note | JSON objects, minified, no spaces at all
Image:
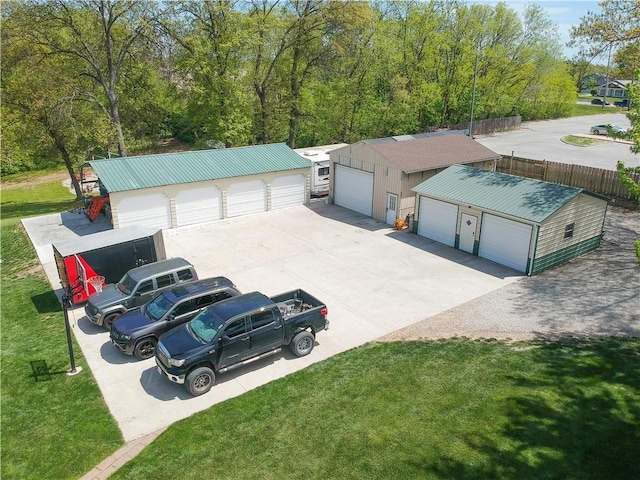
{"x":37,"y":180}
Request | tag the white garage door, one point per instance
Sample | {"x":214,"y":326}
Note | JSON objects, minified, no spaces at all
{"x":245,"y":198}
{"x":198,"y":205}
{"x":152,"y":210}
{"x":354,"y":189}
{"x":288,"y":191}
{"x":437,"y":220}
{"x":505,"y":241}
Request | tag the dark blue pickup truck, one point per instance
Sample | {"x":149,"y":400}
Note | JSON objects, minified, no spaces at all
{"x":237,"y":331}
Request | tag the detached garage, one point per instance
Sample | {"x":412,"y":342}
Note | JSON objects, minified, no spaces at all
{"x":525,"y":224}
{"x":186,"y":188}
{"x":375,"y":177}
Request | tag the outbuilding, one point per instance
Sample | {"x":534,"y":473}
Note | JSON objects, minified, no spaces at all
{"x":177,"y":189}
{"x":528,"y":225}
{"x":375,"y":177}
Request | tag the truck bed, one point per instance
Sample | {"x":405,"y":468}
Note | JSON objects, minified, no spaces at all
{"x":295,"y":302}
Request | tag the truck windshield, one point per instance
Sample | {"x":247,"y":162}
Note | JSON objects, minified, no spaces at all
{"x":126,"y":284}
{"x":205,"y":325}
{"x":158,"y":307}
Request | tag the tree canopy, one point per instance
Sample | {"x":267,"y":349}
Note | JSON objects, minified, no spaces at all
{"x":118,"y":75}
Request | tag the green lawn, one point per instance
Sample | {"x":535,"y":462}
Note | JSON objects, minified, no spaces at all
{"x":451,"y":409}
{"x":424,"y":410}
{"x":582,"y":109}
{"x":51,"y":429}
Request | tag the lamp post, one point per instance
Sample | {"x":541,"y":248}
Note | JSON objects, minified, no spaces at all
{"x":66,"y":303}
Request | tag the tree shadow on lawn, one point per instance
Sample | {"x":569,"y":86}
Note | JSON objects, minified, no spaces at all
{"x":579,"y":418}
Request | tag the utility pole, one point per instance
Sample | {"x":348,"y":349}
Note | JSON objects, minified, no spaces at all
{"x":606,"y":85}
{"x":473,"y":95}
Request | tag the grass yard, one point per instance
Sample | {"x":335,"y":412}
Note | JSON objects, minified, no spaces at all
{"x":423,"y":410}
{"x":51,"y":429}
{"x":587,"y":109}
{"x":455,"y":409}
{"x":581,"y":141}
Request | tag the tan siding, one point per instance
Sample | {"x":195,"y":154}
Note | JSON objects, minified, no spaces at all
{"x":386,"y":177}
{"x":588,"y":214}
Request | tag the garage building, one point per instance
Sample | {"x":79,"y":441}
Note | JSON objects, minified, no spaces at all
{"x":177,"y":189}
{"x":525,"y":224}
{"x":375,"y":177}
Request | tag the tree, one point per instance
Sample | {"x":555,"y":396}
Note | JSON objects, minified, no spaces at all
{"x":45,"y":111}
{"x":101,"y":34}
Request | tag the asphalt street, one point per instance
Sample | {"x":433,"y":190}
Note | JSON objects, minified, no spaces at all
{"x":542,"y":140}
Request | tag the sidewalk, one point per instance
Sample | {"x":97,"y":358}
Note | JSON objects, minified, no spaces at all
{"x":122,"y":456}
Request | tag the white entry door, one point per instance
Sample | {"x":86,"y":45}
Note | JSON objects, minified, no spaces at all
{"x":468,"y":232}
{"x":392,"y":208}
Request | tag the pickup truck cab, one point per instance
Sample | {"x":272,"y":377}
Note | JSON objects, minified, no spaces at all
{"x":137,"y":287}
{"x":237,"y":331}
{"x":137,"y":331}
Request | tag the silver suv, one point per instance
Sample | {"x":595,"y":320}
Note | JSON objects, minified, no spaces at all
{"x":137,"y":287}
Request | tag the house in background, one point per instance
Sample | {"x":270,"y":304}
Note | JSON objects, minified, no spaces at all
{"x":616,"y":89}
{"x":595,"y":81}
{"x":528,"y":225}
{"x":177,"y":189}
{"x":375,"y":177}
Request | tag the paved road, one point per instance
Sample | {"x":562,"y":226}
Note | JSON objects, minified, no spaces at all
{"x":542,"y":140}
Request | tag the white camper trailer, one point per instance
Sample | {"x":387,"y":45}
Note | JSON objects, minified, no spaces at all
{"x":320,"y":169}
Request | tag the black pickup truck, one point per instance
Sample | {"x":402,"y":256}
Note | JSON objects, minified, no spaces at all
{"x":236,"y":331}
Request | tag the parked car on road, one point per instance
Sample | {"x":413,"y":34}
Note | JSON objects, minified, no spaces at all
{"x":137,"y":332}
{"x":604,"y":129}
{"x":137,"y":287}
{"x":599,"y":101}
{"x":623,"y":103}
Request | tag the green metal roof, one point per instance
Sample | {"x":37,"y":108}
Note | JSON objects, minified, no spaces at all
{"x":519,"y":197}
{"x":146,"y":171}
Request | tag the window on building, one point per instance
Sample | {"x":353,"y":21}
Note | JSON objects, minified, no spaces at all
{"x":568,"y":230}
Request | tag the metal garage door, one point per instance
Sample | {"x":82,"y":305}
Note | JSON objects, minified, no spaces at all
{"x":288,"y":191}
{"x":437,"y":220}
{"x":198,"y":205}
{"x":505,"y":241}
{"x":245,"y":198}
{"x":354,"y":189}
{"x":152,"y":210}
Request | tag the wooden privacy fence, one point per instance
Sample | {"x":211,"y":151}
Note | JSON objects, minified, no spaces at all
{"x":596,"y":180}
{"x":490,"y":125}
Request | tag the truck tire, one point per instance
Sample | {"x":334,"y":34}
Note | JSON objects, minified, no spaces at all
{"x":200,"y":381}
{"x":109,"y":319}
{"x":302,"y":344}
{"x":145,"y":348}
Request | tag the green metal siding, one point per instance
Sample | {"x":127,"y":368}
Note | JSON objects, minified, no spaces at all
{"x":565,"y":254}
{"x":148,"y":171}
{"x":518,"y":197}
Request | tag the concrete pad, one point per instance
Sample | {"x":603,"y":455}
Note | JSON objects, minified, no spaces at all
{"x":374,"y":280}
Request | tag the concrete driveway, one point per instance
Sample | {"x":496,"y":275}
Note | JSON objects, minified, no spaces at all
{"x":374,"y":280}
{"x":542,"y":140}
